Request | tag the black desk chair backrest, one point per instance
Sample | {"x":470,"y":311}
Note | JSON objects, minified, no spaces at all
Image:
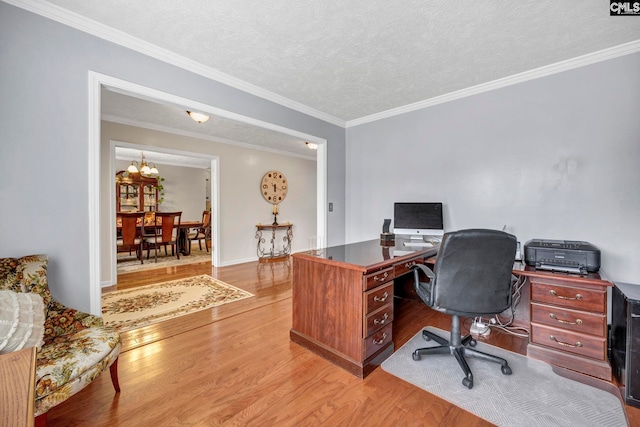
{"x":473,"y":272}
{"x":471,"y":278}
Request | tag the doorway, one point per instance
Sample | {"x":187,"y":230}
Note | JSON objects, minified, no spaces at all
{"x":186,"y":187}
{"x":97,"y":82}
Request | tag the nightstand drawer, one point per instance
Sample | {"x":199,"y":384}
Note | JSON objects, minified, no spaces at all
{"x":575,"y":297}
{"x":571,"y":342}
{"x":378,"y":278}
{"x":571,"y":320}
{"x":378,"y":341}
{"x":378,"y":297}
{"x":378,"y":319}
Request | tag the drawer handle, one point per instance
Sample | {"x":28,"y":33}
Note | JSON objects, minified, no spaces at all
{"x":577,"y":322}
{"x":381,"y":279}
{"x":566,"y":344}
{"x":381,"y":321}
{"x":410,"y":264}
{"x":383,"y":299}
{"x":578,"y":296}
{"x":381,"y":340}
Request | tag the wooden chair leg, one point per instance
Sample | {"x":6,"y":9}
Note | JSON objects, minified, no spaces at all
{"x":41,"y":420}
{"x":113,"y":369}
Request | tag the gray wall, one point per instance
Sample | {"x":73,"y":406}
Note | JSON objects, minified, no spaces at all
{"x":241,"y":203}
{"x":553,"y":158}
{"x":44,"y":130}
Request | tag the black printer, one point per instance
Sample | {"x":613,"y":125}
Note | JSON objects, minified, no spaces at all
{"x":562,"y":255}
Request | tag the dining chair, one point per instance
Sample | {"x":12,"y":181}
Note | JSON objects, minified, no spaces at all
{"x":168,"y":226}
{"x":203,"y":232}
{"x":131,"y":227}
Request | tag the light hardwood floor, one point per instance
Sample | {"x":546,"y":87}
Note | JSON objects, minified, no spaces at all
{"x":234,"y":365}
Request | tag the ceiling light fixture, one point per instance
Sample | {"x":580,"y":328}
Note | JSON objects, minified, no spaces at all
{"x":312,"y":145}
{"x":198,"y":117}
{"x":142,"y":167}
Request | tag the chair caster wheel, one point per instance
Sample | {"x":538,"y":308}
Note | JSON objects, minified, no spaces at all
{"x":425,"y":336}
{"x":473,"y":342}
{"x":416,"y":356}
{"x":506,"y":370}
{"x":467,"y":383}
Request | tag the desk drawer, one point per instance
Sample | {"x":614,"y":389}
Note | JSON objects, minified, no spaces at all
{"x":376,"y":298}
{"x":570,"y":342}
{"x":571,"y":320}
{"x":378,"y":319}
{"x":575,"y":297}
{"x":376,"y":279}
{"x":378,"y":340}
{"x":405,"y":267}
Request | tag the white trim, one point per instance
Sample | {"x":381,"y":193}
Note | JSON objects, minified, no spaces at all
{"x":121,"y":38}
{"x":93,"y":178}
{"x":174,"y":131}
{"x":214,"y":197}
{"x":558,"y":67}
{"x":321,"y":192}
{"x":96,"y":81}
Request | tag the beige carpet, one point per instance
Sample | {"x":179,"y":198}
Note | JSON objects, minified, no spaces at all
{"x":532,"y":396}
{"x":134,"y":308}
{"x":129,"y":263}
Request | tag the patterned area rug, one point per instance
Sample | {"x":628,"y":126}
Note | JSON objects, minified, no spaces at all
{"x":532,"y":396}
{"x":128,"y":263}
{"x":130,"y":309}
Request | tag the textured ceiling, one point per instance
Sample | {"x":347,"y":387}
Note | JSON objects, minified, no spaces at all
{"x":351,"y":59}
{"x":343,"y":61}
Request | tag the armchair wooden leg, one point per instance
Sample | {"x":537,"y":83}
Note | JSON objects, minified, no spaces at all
{"x":41,"y":420}
{"x":113,"y":369}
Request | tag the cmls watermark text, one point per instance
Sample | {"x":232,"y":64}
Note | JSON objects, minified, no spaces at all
{"x":622,"y":8}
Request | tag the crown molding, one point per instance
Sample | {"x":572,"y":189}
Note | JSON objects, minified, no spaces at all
{"x":121,"y":38}
{"x":189,"y":134}
{"x":558,"y":67}
{"x":102,"y":31}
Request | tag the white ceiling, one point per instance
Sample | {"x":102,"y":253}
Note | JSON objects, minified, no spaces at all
{"x":345,"y":61}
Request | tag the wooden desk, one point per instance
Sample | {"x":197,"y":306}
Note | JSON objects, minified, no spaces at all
{"x":17,"y":388}
{"x":343,"y":308}
{"x":343,"y":301}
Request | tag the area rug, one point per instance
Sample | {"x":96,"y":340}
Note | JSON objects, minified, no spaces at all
{"x":532,"y":396}
{"x":129,"y":263}
{"x":130,"y":309}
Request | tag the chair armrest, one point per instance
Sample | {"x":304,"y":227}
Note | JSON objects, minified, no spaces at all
{"x":62,"y":320}
{"x":423,"y":289}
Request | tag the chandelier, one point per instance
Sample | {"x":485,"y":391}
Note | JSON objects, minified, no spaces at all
{"x":142,"y":167}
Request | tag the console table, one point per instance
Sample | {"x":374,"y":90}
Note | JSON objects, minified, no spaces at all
{"x":274,"y":252}
{"x":343,"y":301}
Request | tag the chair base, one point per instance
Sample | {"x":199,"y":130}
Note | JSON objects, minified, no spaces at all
{"x":457,"y":347}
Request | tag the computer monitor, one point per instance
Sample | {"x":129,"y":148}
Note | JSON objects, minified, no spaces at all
{"x":417,"y":220}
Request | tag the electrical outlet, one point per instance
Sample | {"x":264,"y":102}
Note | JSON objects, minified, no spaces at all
{"x":330,"y":207}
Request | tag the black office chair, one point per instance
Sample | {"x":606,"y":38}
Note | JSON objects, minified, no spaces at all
{"x":471,"y":278}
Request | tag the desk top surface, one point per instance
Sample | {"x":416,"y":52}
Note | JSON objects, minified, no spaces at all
{"x":370,"y":253}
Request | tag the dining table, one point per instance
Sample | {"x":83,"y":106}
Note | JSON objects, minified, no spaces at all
{"x":183,"y":232}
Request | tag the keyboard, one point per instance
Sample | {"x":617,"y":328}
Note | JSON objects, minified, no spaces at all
{"x":418,"y":244}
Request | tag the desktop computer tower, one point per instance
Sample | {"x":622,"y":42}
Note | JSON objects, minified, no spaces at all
{"x":625,"y":340}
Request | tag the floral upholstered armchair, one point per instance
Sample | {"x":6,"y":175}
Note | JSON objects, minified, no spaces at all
{"x":75,"y":346}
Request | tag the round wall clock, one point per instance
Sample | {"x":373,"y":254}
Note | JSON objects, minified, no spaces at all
{"x":274,"y":187}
